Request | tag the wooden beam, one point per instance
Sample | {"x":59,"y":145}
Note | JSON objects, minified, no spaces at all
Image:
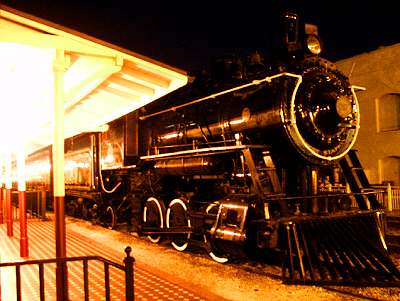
{"x":120,"y":93}
{"x":88,"y":85}
{"x":138,"y":88}
{"x":131,"y":69}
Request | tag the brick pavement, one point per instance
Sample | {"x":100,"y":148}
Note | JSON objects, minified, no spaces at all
{"x":148,"y":284}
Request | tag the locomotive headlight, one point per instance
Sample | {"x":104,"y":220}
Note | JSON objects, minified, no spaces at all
{"x":314,"y":44}
{"x":344,"y":106}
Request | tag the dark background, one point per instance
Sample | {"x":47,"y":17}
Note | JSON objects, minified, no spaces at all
{"x":189,"y":34}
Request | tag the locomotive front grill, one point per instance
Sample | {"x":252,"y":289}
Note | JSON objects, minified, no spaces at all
{"x":341,"y":250}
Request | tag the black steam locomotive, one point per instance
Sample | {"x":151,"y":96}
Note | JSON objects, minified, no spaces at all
{"x":253,"y":157}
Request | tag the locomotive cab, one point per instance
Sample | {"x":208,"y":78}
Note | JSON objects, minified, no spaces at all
{"x":296,"y":40}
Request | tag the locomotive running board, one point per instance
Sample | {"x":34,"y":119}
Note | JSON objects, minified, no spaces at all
{"x":191,"y":152}
{"x":344,"y":250}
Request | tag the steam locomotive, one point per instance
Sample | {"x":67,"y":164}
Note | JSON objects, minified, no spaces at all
{"x":254,"y":157}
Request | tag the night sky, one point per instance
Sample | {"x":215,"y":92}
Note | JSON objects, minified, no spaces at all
{"x":189,"y":34}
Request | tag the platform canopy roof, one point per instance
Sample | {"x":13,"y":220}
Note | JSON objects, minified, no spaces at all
{"x":101,"y":82}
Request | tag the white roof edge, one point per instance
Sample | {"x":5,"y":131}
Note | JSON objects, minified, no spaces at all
{"x":108,"y":48}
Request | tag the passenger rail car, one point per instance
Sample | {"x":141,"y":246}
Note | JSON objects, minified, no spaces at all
{"x":255,"y":157}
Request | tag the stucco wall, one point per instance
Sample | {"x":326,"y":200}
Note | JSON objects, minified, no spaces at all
{"x":379,"y":72}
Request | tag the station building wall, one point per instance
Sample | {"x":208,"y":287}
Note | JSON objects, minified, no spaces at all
{"x":378,"y":143}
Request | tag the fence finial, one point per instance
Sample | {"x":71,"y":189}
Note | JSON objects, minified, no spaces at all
{"x":128,"y":251}
{"x":129,"y":277}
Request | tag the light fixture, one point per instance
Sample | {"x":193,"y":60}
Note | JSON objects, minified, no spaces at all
{"x":314,"y":44}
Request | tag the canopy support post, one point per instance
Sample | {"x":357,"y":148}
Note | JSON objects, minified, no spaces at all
{"x":23,"y":246}
{"x":8,"y":194}
{"x":58,"y":174}
{"x":1,"y":192}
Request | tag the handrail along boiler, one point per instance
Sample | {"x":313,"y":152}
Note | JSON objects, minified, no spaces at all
{"x":239,"y":162}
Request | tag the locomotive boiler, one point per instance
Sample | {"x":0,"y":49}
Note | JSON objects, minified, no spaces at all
{"x":254,"y":158}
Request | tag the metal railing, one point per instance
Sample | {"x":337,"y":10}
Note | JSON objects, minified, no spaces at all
{"x":63,"y":291}
{"x":35,"y":203}
{"x":388,"y":196}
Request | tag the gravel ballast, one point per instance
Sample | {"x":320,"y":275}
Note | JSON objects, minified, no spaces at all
{"x":233,"y":281}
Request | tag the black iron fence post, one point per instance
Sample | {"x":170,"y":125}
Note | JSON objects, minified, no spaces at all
{"x":129,"y":285}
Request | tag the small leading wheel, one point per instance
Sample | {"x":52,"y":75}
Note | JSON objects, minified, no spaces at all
{"x":110,"y":219}
{"x":214,"y":253}
{"x":153,"y":217}
{"x":177,"y":216}
{"x":212,"y":249}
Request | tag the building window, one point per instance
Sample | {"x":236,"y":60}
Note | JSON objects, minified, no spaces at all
{"x":390,"y":169}
{"x":389,"y":112}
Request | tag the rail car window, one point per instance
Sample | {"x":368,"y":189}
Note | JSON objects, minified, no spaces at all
{"x":388,"y":107}
{"x":112,"y":145}
{"x":77,"y":168}
{"x":38,"y":173}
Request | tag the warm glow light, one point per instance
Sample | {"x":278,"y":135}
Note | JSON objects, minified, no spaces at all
{"x":21,"y":167}
{"x":109,"y":159}
{"x":71,"y":165}
{"x":25,"y":73}
{"x":1,"y":171}
{"x":171,"y":136}
{"x":37,"y":170}
{"x":8,"y":171}
{"x":27,"y":65}
{"x":27,"y":80}
{"x":237,"y":121}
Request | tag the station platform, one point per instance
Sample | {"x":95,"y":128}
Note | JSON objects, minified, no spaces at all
{"x":148,"y":284}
